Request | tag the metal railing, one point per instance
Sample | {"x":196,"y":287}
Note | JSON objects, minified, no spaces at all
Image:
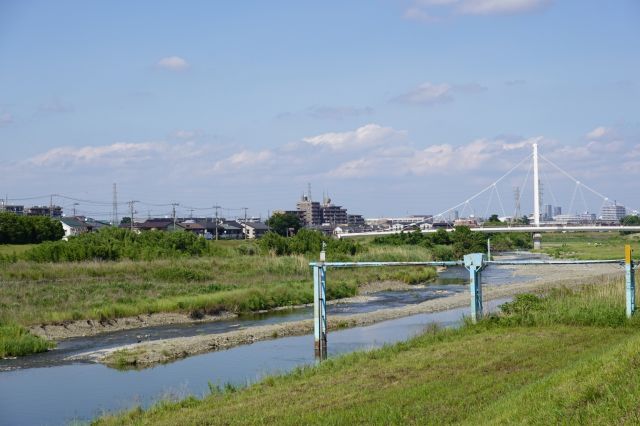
{"x":475,"y":263}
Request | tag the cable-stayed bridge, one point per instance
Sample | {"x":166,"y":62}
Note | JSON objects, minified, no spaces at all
{"x":538,"y":222}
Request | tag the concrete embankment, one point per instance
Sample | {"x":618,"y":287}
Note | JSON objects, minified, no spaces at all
{"x":161,"y":351}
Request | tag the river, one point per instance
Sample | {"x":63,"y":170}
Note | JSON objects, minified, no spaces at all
{"x":45,"y":389}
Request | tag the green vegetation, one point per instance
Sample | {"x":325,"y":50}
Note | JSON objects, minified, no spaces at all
{"x":118,"y":243}
{"x":114,"y":273}
{"x":453,"y":245}
{"x":16,"y":229}
{"x":630,"y":220}
{"x":567,"y":358}
{"x":308,"y":242}
{"x":284,"y":224}
{"x":13,"y":251}
{"x":234,"y":277}
{"x":588,"y":246}
{"x":16,"y":341}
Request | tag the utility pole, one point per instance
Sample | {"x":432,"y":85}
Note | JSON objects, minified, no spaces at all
{"x":131,"y":211}
{"x":74,"y":208}
{"x":174,"y":214}
{"x":216,"y":224}
{"x":246,"y":231}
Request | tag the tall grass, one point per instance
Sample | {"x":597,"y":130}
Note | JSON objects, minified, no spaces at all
{"x":16,"y":341}
{"x":601,"y":305}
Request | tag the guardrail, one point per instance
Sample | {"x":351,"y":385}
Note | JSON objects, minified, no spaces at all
{"x":475,"y":263}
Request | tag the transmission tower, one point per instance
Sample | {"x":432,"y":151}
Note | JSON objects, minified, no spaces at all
{"x":516,"y":197}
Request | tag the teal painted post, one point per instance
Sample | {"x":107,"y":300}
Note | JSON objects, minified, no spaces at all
{"x":320,"y":306}
{"x":316,"y":306}
{"x":323,"y":312}
{"x":630,"y":282}
{"x":475,"y":264}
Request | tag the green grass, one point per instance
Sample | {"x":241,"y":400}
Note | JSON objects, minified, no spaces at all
{"x":233,"y":279}
{"x":10,"y":249}
{"x":569,"y":358}
{"x":34,"y":293}
{"x":16,"y":341}
{"x":589,"y":246}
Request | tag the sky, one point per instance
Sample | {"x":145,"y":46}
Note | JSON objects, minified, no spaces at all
{"x":391,"y":107}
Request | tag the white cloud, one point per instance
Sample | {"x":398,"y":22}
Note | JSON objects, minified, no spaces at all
{"x":173,"y":63}
{"x":115,"y":154}
{"x":337,"y":113}
{"x":244,"y":160}
{"x":5,"y":119}
{"x":367,"y":136}
{"x":598,"y":133}
{"x":427,"y":94}
{"x":419,"y":14}
{"x":359,"y":168}
{"x":436,"y":10}
{"x":185,"y":134}
{"x":447,"y":158}
{"x":500,"y":7}
{"x":433,"y":94}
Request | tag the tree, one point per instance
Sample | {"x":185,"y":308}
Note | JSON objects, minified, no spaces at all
{"x":465,"y":241}
{"x":629,"y":220}
{"x":16,"y":229}
{"x":494,"y":219}
{"x":125,"y":220}
{"x":281,"y":223}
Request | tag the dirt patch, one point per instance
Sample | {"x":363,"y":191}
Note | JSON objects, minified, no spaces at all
{"x":83,"y":328}
{"x":161,"y":351}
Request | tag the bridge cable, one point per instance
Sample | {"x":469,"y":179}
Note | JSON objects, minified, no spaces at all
{"x":504,"y":214}
{"x":485,"y":189}
{"x":524,"y":186}
{"x":573,"y":197}
{"x":572,"y":178}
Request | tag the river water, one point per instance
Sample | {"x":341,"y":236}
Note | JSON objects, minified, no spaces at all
{"x":44,"y":389}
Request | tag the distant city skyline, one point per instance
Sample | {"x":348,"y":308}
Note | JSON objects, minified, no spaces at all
{"x":393,"y":107}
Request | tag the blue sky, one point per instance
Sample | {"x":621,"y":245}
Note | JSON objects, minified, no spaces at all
{"x":392,"y":106}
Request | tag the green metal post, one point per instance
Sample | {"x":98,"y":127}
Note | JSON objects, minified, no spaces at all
{"x":475,"y":264}
{"x":630,"y":281}
{"x":320,"y":306}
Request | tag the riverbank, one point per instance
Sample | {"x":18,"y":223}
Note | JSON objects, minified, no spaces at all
{"x":147,"y":354}
{"x":86,"y":328}
{"x":566,"y":358}
{"x":71,"y":299}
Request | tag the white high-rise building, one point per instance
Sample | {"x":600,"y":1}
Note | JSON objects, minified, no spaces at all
{"x":613,"y":212}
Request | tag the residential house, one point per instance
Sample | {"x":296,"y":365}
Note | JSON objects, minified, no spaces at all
{"x":73,"y":226}
{"x":253,"y":230}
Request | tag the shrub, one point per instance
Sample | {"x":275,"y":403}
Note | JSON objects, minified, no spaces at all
{"x":16,"y":229}
{"x":117,"y":243}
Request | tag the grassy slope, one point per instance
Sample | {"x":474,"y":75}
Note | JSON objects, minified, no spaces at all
{"x":582,"y":369}
{"x":589,"y":246}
